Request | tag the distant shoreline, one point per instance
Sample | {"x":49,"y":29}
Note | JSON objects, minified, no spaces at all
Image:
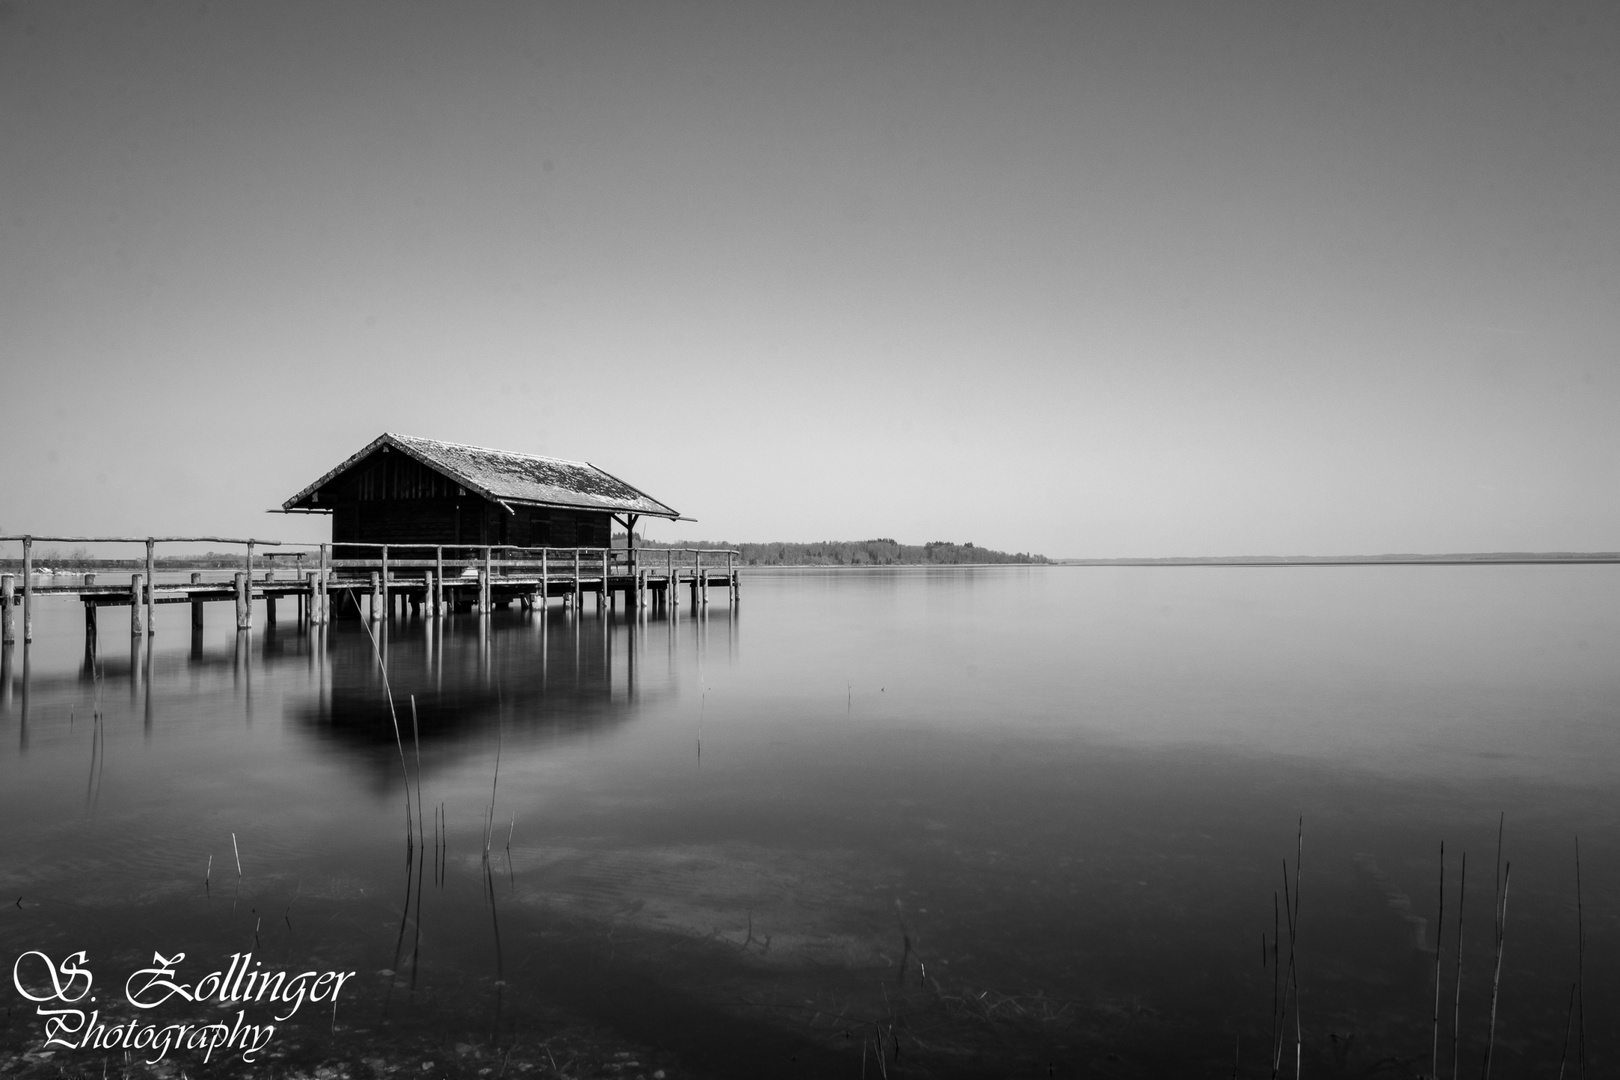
{"x":1510,"y":558}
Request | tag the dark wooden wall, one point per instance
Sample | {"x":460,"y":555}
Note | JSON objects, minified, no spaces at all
{"x":394,"y":499}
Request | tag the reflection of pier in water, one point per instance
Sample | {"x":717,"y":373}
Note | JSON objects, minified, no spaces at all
{"x":557,"y":672}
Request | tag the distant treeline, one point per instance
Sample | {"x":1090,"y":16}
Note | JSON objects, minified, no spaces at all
{"x":880,"y":552}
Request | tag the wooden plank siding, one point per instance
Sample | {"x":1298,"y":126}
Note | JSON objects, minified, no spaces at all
{"x":389,"y":498}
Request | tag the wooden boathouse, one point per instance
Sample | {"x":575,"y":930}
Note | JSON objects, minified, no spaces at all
{"x":405,"y":490}
{"x":432,"y":527}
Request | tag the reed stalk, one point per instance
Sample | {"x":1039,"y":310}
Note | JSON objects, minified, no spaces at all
{"x":1439,"y":939}
{"x":416,"y":741}
{"x":238,"y":852}
{"x":1496,"y":980}
{"x":1456,"y":1015}
{"x":410,"y":836}
{"x":1569,"y":1018}
{"x":1580,"y":967}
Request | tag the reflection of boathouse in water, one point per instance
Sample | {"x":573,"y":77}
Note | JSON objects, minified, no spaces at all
{"x":409,"y":491}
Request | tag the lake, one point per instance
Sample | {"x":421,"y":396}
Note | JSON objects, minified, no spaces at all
{"x":909,"y":822}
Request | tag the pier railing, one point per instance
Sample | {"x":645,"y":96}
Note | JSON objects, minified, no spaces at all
{"x":434,"y":580}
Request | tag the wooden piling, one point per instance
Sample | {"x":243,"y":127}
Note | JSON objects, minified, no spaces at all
{"x":196,"y":605}
{"x":28,"y":589}
{"x":376,"y":598}
{"x":244,"y":601}
{"x":8,"y":600}
{"x":385,"y":577}
{"x":324,"y":599}
{"x":576,"y":579}
{"x":438,"y":583}
{"x":136,"y":589}
{"x":487,"y":587}
{"x":545,"y":580}
{"x":151,"y":586}
{"x":89,"y":627}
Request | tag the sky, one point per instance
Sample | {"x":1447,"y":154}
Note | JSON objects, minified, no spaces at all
{"x":1088,"y":280}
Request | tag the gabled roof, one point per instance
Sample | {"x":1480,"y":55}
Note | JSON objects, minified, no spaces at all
{"x":503,"y":476}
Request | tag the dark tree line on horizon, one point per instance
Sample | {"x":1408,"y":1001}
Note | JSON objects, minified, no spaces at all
{"x":879,"y":552}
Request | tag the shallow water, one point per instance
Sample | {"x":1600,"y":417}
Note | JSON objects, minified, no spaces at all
{"x":1028,"y":818}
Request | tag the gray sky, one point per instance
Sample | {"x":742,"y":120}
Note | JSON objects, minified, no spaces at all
{"x":1083,"y":279}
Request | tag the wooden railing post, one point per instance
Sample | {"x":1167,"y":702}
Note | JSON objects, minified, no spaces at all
{"x":376,"y":598}
{"x":244,"y":603}
{"x":576,"y":581}
{"x":438,"y":582}
{"x":137,"y":584}
{"x":196,"y":605}
{"x":8,"y":600}
{"x":387,"y":597}
{"x":545,"y":579}
{"x":151,"y":586}
{"x":672,"y":595}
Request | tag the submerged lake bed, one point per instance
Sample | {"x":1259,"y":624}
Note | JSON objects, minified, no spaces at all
{"x":909,"y":822}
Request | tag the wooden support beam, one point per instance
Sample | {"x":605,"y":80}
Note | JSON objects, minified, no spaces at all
{"x":151,"y":586}
{"x":487,"y":587}
{"x":576,"y":579}
{"x":8,"y":608}
{"x":197,"y":606}
{"x":323,"y":599}
{"x":375,"y":611}
{"x":89,"y":628}
{"x":244,"y":601}
{"x":438,"y":583}
{"x":136,"y":589}
{"x":28,"y":590}
{"x":430,"y":602}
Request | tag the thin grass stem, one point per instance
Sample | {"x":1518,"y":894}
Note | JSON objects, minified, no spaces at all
{"x":1496,"y":980}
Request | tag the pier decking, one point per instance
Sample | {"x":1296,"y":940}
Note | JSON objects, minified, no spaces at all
{"x":431,"y":581}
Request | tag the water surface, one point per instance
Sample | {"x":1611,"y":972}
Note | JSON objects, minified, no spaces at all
{"x":1027,"y":819}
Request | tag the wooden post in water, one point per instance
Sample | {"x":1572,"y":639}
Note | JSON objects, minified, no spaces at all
{"x":151,"y":587}
{"x":429,"y":603}
{"x":8,"y":602}
{"x":244,"y":605}
{"x":28,"y":590}
{"x":576,"y":581}
{"x":438,"y":583}
{"x":376,"y":598}
{"x":196,"y":605}
{"x":247,"y":591}
{"x":136,"y":589}
{"x":387,"y":597}
{"x":487,"y":604}
{"x":323,"y":600}
{"x":89,"y":627}
{"x":545,"y":580}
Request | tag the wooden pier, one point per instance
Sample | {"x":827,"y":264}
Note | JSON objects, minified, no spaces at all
{"x":433,"y":582}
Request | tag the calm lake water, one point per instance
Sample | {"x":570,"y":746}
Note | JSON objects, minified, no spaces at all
{"x":1005,"y":821}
